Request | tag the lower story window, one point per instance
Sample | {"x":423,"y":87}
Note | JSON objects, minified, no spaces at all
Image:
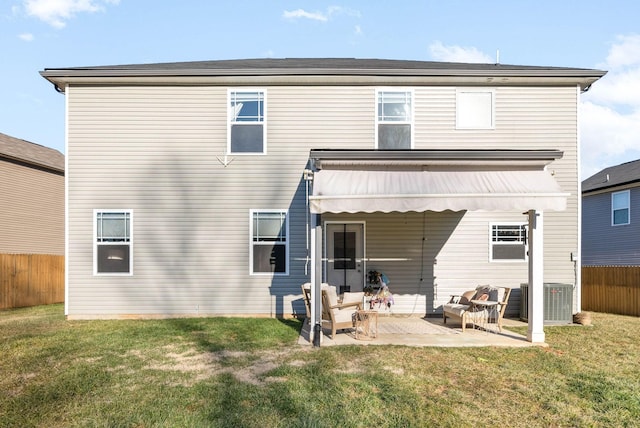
{"x":508,"y":242}
{"x":269,"y":242}
{"x":112,"y":250}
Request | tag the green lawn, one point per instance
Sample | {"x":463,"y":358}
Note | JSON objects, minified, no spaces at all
{"x":251,"y":373}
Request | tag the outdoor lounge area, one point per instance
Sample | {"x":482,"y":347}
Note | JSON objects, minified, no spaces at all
{"x":428,"y":332}
{"x":475,"y":319}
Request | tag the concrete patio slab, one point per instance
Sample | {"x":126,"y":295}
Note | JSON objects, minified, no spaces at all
{"x":425,"y":332}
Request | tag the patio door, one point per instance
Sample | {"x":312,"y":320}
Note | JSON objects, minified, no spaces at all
{"x":345,"y":256}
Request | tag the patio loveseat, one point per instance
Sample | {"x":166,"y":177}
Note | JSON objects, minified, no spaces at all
{"x":477,"y":306}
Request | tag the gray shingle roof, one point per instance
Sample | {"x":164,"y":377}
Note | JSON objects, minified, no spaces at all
{"x":619,"y":175}
{"x":31,"y":153}
{"x":318,"y":63}
{"x":321,"y":66}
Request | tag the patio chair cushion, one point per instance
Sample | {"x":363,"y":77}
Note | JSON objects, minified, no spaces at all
{"x":343,"y":316}
{"x":456,"y":309}
{"x":352,"y":297}
{"x":331,"y":293}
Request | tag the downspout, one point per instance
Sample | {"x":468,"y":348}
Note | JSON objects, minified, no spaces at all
{"x":316,"y":279}
{"x":308,"y":178}
{"x":577,"y":260}
{"x":66,"y":201}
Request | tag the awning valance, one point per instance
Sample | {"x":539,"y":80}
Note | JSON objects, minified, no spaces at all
{"x":363,"y":190}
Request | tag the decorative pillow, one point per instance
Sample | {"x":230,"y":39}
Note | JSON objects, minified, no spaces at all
{"x":466,"y":297}
{"x":482,"y":292}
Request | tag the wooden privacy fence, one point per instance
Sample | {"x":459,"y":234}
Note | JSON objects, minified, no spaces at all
{"x":30,"y":280}
{"x":611,"y":289}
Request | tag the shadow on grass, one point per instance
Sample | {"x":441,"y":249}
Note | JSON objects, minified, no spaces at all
{"x":293,"y":323}
{"x":237,"y":334}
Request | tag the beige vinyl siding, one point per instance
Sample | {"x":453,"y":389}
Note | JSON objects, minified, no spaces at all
{"x":32,"y":214}
{"x":155,"y":150}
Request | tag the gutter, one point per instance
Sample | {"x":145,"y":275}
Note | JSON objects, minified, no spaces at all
{"x":494,"y":76}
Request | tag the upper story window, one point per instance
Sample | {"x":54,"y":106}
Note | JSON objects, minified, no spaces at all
{"x":247,"y":120}
{"x":475,"y":108}
{"x":112,"y":244}
{"x":508,"y":242}
{"x":269,"y":242}
{"x":620,"y":207}
{"x":394,"y":119}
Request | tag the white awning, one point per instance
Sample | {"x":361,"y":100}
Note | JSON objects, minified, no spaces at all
{"x":357,"y":190}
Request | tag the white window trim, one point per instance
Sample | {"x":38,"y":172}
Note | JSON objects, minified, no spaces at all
{"x":411,"y":122}
{"x":286,"y":243}
{"x":95,"y":242}
{"x":628,"y":208}
{"x":493,"y":108}
{"x":264,"y":121}
{"x":506,"y":223}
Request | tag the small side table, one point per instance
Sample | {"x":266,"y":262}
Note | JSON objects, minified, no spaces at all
{"x":490,"y":308}
{"x":366,"y":325}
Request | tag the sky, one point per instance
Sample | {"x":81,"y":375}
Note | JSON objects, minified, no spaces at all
{"x":39,"y":34}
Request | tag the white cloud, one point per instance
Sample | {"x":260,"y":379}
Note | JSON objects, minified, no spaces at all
{"x":27,"y":37}
{"x":610,"y":111}
{"x":357,"y":30}
{"x":620,"y":86}
{"x":320,"y":16}
{"x":300,"y":13}
{"x":440,"y":52}
{"x":57,"y":12}
{"x":626,"y":52}
{"x":608,"y":137}
{"x":339,"y":10}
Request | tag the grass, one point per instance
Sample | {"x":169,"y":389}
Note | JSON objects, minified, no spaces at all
{"x":251,"y":373}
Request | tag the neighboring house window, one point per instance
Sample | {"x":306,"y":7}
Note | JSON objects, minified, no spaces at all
{"x":508,"y":242}
{"x":269,"y":242}
{"x":394,"y":120}
{"x":112,"y":251}
{"x":620,"y":202}
{"x":475,"y":109}
{"x":247,"y":122}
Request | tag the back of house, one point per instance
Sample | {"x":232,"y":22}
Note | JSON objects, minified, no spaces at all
{"x":193,"y":187}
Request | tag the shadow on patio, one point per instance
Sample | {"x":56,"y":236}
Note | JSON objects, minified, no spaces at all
{"x":416,"y":331}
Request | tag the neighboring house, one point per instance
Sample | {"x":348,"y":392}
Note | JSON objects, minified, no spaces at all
{"x":219,"y":187}
{"x":32,"y":189}
{"x":611,"y":216}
